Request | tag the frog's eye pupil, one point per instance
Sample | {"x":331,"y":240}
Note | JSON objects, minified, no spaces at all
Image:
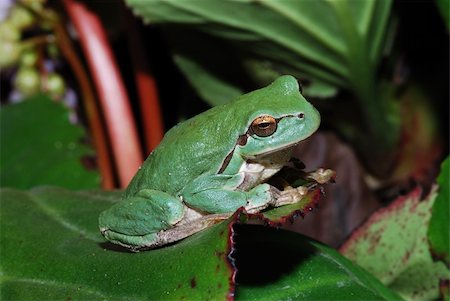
{"x":264,"y":126}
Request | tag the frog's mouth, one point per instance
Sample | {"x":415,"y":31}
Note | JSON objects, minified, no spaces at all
{"x":280,"y":155}
{"x":273,"y":152}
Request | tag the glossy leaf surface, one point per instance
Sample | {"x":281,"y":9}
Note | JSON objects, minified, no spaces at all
{"x":51,"y":249}
{"x":279,"y":265}
{"x":41,"y":146}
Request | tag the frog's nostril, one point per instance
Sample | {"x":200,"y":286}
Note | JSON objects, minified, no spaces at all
{"x":301,"y":115}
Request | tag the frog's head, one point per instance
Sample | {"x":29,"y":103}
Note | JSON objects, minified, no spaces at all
{"x":277,"y":117}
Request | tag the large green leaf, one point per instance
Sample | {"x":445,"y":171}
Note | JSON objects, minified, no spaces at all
{"x":217,"y":90}
{"x":438,"y":230}
{"x":330,"y":39}
{"x":51,"y":249}
{"x":39,"y":146}
{"x":334,"y":42}
{"x":392,"y":245}
{"x":278,"y":265}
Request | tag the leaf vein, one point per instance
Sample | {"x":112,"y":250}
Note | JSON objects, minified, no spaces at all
{"x":53,"y":214}
{"x":53,"y":283}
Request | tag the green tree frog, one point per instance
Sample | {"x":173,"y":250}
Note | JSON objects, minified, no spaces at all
{"x":212,"y":164}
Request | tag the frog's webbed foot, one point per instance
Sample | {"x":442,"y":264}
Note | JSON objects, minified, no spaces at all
{"x":136,"y":221}
{"x":288,"y":196}
{"x":276,"y":197}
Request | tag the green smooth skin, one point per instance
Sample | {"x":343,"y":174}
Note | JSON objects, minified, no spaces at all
{"x":202,"y":165}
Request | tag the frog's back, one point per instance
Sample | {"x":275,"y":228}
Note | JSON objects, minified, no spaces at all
{"x":191,"y":148}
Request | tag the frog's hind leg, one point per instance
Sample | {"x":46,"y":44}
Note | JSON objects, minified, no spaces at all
{"x":137,"y":222}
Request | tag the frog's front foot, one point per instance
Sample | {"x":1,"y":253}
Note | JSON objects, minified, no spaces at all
{"x":266,"y":195}
{"x":289,"y":195}
{"x":322,"y":176}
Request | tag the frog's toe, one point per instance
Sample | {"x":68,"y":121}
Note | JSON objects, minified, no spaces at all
{"x":132,"y":242}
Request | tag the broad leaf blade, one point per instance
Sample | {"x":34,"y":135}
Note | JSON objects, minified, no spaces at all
{"x":334,"y":42}
{"x":40,"y":146}
{"x":52,"y":249}
{"x":392,"y":245}
{"x":214,"y":89}
{"x":280,"y":265}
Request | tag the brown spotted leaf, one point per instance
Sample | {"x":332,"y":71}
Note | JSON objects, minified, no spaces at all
{"x":438,"y":231}
{"x":393,"y":246}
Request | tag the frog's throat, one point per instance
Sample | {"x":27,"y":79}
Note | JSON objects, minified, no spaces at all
{"x":262,"y":167}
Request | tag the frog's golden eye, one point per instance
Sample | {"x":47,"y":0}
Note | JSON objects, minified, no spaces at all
{"x":264,"y":126}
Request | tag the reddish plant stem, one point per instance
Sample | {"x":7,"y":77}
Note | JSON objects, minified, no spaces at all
{"x":113,"y":98}
{"x":93,"y":116}
{"x":148,"y":94}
